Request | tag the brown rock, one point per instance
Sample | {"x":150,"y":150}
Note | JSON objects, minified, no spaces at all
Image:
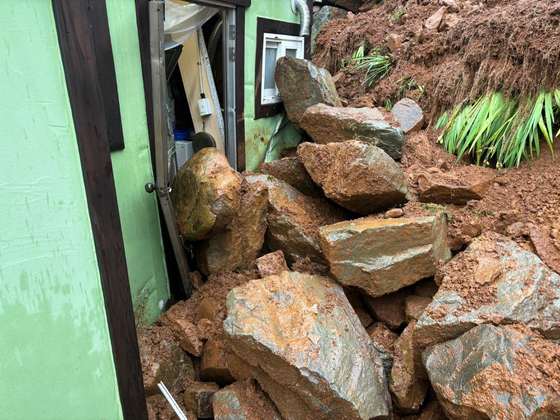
{"x":394,"y":42}
{"x":414,"y":307}
{"x":327,"y":124}
{"x":205,"y":195}
{"x":383,"y":339}
{"x":389,"y":309}
{"x":237,"y":246}
{"x":434,"y":21}
{"x":184,"y":332}
{"x":198,"y":398}
{"x":365,"y":319}
{"x":272,"y":263}
{"x":407,"y":386}
{"x":356,"y":175}
{"x":208,"y":308}
{"x":449,"y":21}
{"x":301,"y":85}
{"x":381,"y":256}
{"x":451,"y":5}
{"x":394,"y":213}
{"x":196,"y":280}
{"x":542,"y":242}
{"x":290,"y":170}
{"x":205,"y":329}
{"x":213,"y":366}
{"x":159,"y":408}
{"x":294,"y":219}
{"x":426,"y":288}
{"x":244,"y":400}
{"x":432,"y":411}
{"x":409,"y":115}
{"x":352,"y":5}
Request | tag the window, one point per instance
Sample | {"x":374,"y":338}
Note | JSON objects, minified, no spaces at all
{"x":276,"y":46}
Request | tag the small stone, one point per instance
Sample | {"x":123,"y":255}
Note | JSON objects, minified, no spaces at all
{"x":409,"y":115}
{"x":196,"y":279}
{"x":389,"y":309}
{"x":365,"y":319}
{"x":414,"y":307}
{"x":272,"y":263}
{"x":185,"y":333}
{"x":208,"y":308}
{"x":449,"y":21}
{"x":394,"y":42}
{"x":213,"y":366}
{"x":451,"y":5}
{"x":471,"y":229}
{"x":243,"y":400}
{"x":198,"y":398}
{"x":434,"y":21}
{"x":205,"y":329}
{"x":394,"y":213}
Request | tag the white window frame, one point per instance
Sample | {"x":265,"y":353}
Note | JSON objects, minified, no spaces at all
{"x":281,"y":43}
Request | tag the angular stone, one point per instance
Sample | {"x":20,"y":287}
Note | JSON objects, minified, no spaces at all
{"x":237,"y":246}
{"x":384,"y":340}
{"x":409,"y":115}
{"x":294,"y":219}
{"x":381,"y":256}
{"x":434,"y":21}
{"x":365,"y":319}
{"x":328,"y":124}
{"x":243,"y":400}
{"x":300,"y":330}
{"x":162,"y":359}
{"x":272,"y":263}
{"x":208,"y":308}
{"x":389,"y":309}
{"x":213,"y":366}
{"x":356,"y":175}
{"x":323,"y":16}
{"x":449,"y":21}
{"x":462,"y":185}
{"x":205,"y":329}
{"x":301,"y":85}
{"x":493,"y":281}
{"x":408,"y":385}
{"x":414,"y":307}
{"x":198,"y":398}
{"x":496,"y":372}
{"x":394,"y":42}
{"x":185,"y":332}
{"x":205,"y":195}
{"x":290,"y":170}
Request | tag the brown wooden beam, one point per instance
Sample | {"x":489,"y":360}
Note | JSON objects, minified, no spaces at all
{"x":83,"y":31}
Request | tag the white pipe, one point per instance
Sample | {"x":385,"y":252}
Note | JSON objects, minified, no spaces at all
{"x":172,"y":401}
{"x":300,"y":7}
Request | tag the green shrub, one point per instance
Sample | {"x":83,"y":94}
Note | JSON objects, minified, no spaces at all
{"x":376,"y":64}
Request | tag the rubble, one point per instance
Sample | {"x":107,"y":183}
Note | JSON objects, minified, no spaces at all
{"x":243,"y":400}
{"x":492,"y":281}
{"x":383,"y":339}
{"x":314,"y":345}
{"x":356,"y":175}
{"x":272,"y":263}
{"x":290,"y":170}
{"x":394,"y":253}
{"x":321,"y":17}
{"x":409,"y":115}
{"x":328,"y":124}
{"x":496,"y":372}
{"x":198,"y":398}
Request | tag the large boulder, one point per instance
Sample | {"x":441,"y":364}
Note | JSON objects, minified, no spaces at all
{"x":243,"y":400}
{"x":493,"y":281}
{"x":237,"y":246}
{"x":291,"y":170}
{"x":294,"y":220}
{"x":498,"y":373}
{"x":329,"y":124}
{"x":301,"y":332}
{"x":356,"y":175}
{"x":381,"y":256}
{"x":323,"y":16}
{"x":409,"y":115}
{"x":205,"y":195}
{"x":301,"y":85}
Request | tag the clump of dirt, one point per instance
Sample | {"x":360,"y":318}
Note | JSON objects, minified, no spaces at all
{"x":512,"y":45}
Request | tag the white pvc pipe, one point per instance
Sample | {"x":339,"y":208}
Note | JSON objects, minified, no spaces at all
{"x":172,"y":401}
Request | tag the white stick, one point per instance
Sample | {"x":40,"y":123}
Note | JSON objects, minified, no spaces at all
{"x":172,"y":401}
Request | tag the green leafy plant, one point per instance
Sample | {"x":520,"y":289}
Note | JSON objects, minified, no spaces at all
{"x":389,"y":104}
{"x":498,"y":128}
{"x":407,"y":84}
{"x":484,"y":213}
{"x":444,"y":212}
{"x":376,"y":64}
{"x":398,"y":14}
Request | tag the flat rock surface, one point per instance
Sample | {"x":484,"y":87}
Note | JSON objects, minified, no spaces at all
{"x":294,"y":219}
{"x":301,"y":331}
{"x":243,"y":400}
{"x":381,"y":256}
{"x":409,"y":114}
{"x":206,"y":194}
{"x":496,"y":372}
{"x":493,"y":281}
{"x":356,"y":175}
{"x":328,"y":124}
{"x":290,"y":170}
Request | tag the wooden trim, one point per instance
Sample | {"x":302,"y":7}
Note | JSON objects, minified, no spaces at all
{"x":80,"y":25}
{"x":275,"y":27}
{"x":240,"y":86}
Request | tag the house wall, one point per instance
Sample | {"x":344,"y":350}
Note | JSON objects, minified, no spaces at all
{"x":133,"y":169}
{"x":258,"y":132}
{"x":55,"y":359}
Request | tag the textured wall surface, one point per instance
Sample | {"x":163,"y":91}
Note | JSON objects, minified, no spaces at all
{"x":55,"y":358}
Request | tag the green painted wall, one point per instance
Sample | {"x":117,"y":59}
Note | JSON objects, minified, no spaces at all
{"x":133,"y":169}
{"x":258,"y":132}
{"x":55,"y":352}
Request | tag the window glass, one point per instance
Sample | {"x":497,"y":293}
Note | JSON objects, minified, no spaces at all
{"x":269,"y":67}
{"x":291,"y":52}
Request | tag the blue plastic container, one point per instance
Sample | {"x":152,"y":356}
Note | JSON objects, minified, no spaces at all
{"x":181,"y":134}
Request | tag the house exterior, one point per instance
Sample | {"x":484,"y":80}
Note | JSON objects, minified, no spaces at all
{"x":81,"y":249}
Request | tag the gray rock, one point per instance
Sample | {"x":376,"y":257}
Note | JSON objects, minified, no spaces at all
{"x":356,"y":175}
{"x":328,"y":124}
{"x":321,"y":17}
{"x":302,"y":333}
{"x":493,"y":281}
{"x":381,"y":256}
{"x":243,"y":401}
{"x":301,"y":85}
{"x":409,"y":115}
{"x":383,"y":339}
{"x":496,"y":372}
{"x":294,"y":219}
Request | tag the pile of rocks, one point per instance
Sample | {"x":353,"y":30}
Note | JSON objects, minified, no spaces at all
{"x":323,"y":302}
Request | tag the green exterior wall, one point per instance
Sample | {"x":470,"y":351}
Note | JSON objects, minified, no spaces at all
{"x":258,"y":132}
{"x":133,"y":169}
{"x":55,"y":352}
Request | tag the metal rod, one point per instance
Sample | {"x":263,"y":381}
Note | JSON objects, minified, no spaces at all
{"x":172,"y":401}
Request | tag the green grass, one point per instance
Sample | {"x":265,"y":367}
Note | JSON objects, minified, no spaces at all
{"x":376,"y":64}
{"x":398,"y":14}
{"x":498,"y":129}
{"x":444,"y":212}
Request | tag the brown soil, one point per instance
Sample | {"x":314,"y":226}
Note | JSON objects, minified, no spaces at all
{"x":509,"y":45}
